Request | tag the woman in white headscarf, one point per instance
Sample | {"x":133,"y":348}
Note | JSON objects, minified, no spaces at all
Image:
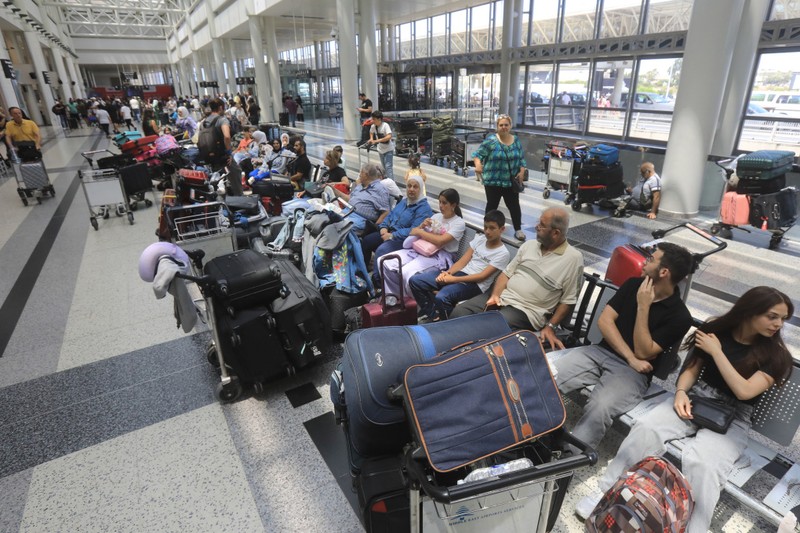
{"x":409,"y":213}
{"x":186,"y":123}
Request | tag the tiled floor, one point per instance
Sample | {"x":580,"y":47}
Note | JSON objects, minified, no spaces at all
{"x":108,"y":417}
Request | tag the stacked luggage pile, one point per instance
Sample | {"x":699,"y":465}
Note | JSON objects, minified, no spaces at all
{"x":441,"y":140}
{"x":405,"y":132}
{"x":427,"y":454}
{"x":759,"y":197}
{"x":562,"y":163}
{"x":600,"y":177}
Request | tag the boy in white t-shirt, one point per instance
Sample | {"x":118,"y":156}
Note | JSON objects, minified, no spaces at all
{"x":380,"y":133}
{"x":471,"y":275}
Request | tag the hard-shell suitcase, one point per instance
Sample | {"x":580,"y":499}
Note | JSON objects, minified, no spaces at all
{"x":280,"y":188}
{"x":34,"y":175}
{"x":760,"y":186}
{"x":764,"y":164}
{"x":486,"y":399}
{"x":383,"y":496}
{"x":381,"y":313}
{"x":304,"y":324}
{"x":774,"y":211}
{"x":245,"y":279}
{"x":626,"y":262}
{"x":375,"y":358}
{"x":735,"y":209}
{"x":126,"y":136}
{"x":604,"y":154}
{"x":246,"y":205}
{"x":652,"y":495}
{"x":251,"y":346}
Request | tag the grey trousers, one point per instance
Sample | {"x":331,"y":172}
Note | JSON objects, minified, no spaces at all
{"x":706,"y":460}
{"x":618,"y":387}
{"x":516,"y":319}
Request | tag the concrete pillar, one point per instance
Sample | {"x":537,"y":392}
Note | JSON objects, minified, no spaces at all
{"x":384,"y":43}
{"x":738,"y":85}
{"x":272,"y":65}
{"x":66,"y":86}
{"x":514,"y":68}
{"x":704,"y":72}
{"x":6,"y":87}
{"x":77,"y":89}
{"x":368,"y":55}
{"x":505,"y":52}
{"x":347,"y":68}
{"x":197,"y":75}
{"x":262,"y":81}
{"x":391,"y":45}
{"x":227,"y":45}
{"x":219,"y":72}
{"x":39,"y":65}
{"x":317,"y":68}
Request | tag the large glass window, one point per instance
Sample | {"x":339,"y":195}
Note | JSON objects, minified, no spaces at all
{"x":579,"y":20}
{"x":544,"y":22}
{"x":481,"y":27}
{"x":668,"y":15}
{"x":785,"y":9}
{"x":497,"y":42}
{"x":439,"y":35}
{"x":620,"y":18}
{"x":458,"y":32}
{"x":654,"y":98}
{"x":538,"y":94}
{"x":572,"y":91}
{"x":406,"y":41}
{"x":607,"y":113}
{"x":772,"y":118}
{"x":421,"y":40}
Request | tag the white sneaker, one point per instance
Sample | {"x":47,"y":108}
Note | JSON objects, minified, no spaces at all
{"x":328,"y":195}
{"x":587,"y":504}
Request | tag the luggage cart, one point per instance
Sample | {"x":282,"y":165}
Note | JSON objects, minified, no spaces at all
{"x":528,"y":499}
{"x":103,"y":189}
{"x":365,"y":149}
{"x":560,"y":177}
{"x":202,"y":227}
{"x":463,"y":148}
{"x":32,"y":181}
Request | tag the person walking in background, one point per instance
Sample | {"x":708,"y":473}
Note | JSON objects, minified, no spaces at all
{"x":291,"y":108}
{"x":500,"y":164}
{"x":380,"y":133}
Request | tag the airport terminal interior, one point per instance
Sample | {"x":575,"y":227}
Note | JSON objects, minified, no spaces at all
{"x":109,"y":416}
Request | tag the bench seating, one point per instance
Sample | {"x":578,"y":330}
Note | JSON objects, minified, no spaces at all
{"x":776,"y":416}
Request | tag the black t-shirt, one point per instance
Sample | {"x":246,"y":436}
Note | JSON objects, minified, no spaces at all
{"x":735,"y":352}
{"x":669,"y":320}
{"x":366,"y":104}
{"x":335,"y":175}
{"x":302,"y":165}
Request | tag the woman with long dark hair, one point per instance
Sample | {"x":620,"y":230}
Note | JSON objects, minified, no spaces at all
{"x":734,"y":358}
{"x":149,"y":124}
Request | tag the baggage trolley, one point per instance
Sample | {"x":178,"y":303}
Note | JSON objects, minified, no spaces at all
{"x":202,"y":227}
{"x":560,"y":177}
{"x":32,"y":181}
{"x":724,"y":230}
{"x":365,"y":149}
{"x":463,"y":148}
{"x":103,"y":189}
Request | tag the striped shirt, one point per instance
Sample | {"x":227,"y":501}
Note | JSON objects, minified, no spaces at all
{"x":500,"y":162}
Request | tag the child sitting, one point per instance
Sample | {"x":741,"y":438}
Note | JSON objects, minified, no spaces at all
{"x":471,"y":275}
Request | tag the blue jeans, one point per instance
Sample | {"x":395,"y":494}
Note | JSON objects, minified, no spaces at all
{"x":386,"y":161}
{"x":442,"y":304}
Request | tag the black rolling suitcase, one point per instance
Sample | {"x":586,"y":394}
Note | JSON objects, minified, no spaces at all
{"x":245,"y":279}
{"x":303,"y":322}
{"x":283,"y":119}
{"x":774,"y":211}
{"x":251,"y":345}
{"x":383,"y":496}
{"x":339,"y":302}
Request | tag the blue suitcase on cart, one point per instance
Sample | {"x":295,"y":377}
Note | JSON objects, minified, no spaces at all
{"x":375,"y":358}
{"x":604,"y":154}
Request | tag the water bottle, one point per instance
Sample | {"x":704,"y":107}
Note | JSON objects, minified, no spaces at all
{"x":496,"y":470}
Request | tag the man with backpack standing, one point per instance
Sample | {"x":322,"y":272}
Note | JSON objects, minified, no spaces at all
{"x":214,"y":145}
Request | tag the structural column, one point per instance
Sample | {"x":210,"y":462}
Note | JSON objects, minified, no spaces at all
{"x":738,"y":86}
{"x":367,"y":52}
{"x":347,"y":68}
{"x":384,"y":42}
{"x":78,"y":89}
{"x":229,"y":81}
{"x":6,"y":87}
{"x":706,"y":62}
{"x":39,"y":65}
{"x":262,"y":82}
{"x":391,"y":50}
{"x":66,"y":86}
{"x":317,"y":68}
{"x":272,"y":65}
{"x":216,"y":47}
{"x":509,"y":70}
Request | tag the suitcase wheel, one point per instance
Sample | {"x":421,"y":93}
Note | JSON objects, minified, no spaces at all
{"x":775,"y":242}
{"x":576,"y":205}
{"x":715,"y":229}
{"x":211,"y":355}
{"x":93,"y":221}
{"x":229,"y":392}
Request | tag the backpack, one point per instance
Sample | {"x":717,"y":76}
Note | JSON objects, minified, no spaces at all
{"x":211,"y":142}
{"x":652,"y":495}
{"x":236,"y":125}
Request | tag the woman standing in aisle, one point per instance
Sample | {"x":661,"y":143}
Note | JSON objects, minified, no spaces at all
{"x":500,"y":164}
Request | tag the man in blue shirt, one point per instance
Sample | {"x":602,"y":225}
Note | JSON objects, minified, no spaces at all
{"x":369,"y":198}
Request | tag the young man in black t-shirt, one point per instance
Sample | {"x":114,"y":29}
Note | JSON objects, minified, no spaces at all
{"x":645,"y":317}
{"x":301,"y":167}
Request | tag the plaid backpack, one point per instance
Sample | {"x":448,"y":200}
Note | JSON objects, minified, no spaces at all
{"x":652,"y":495}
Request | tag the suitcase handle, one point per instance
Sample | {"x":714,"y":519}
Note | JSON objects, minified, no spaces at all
{"x":383,"y":280}
{"x":587,"y":457}
{"x":696,"y":258}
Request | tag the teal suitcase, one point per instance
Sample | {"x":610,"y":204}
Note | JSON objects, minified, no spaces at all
{"x":765,"y":164}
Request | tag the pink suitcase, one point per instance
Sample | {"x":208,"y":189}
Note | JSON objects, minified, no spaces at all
{"x":626,"y":262}
{"x":735,"y":209}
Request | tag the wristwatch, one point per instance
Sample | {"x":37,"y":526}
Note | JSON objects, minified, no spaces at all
{"x":550,"y":325}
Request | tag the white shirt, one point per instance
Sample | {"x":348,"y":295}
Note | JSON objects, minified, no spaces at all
{"x":102,"y":116}
{"x":381,"y":132}
{"x":134,"y":103}
{"x":643,"y":190}
{"x":454,"y":225}
{"x":125,"y":111}
{"x":483,"y":257}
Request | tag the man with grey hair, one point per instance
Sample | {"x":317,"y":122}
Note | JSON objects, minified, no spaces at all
{"x":539,"y":287}
{"x":369,"y":197}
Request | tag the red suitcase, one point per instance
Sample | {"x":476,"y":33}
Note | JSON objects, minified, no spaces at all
{"x":139,"y":145}
{"x":626,"y":262}
{"x":403,"y":313}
